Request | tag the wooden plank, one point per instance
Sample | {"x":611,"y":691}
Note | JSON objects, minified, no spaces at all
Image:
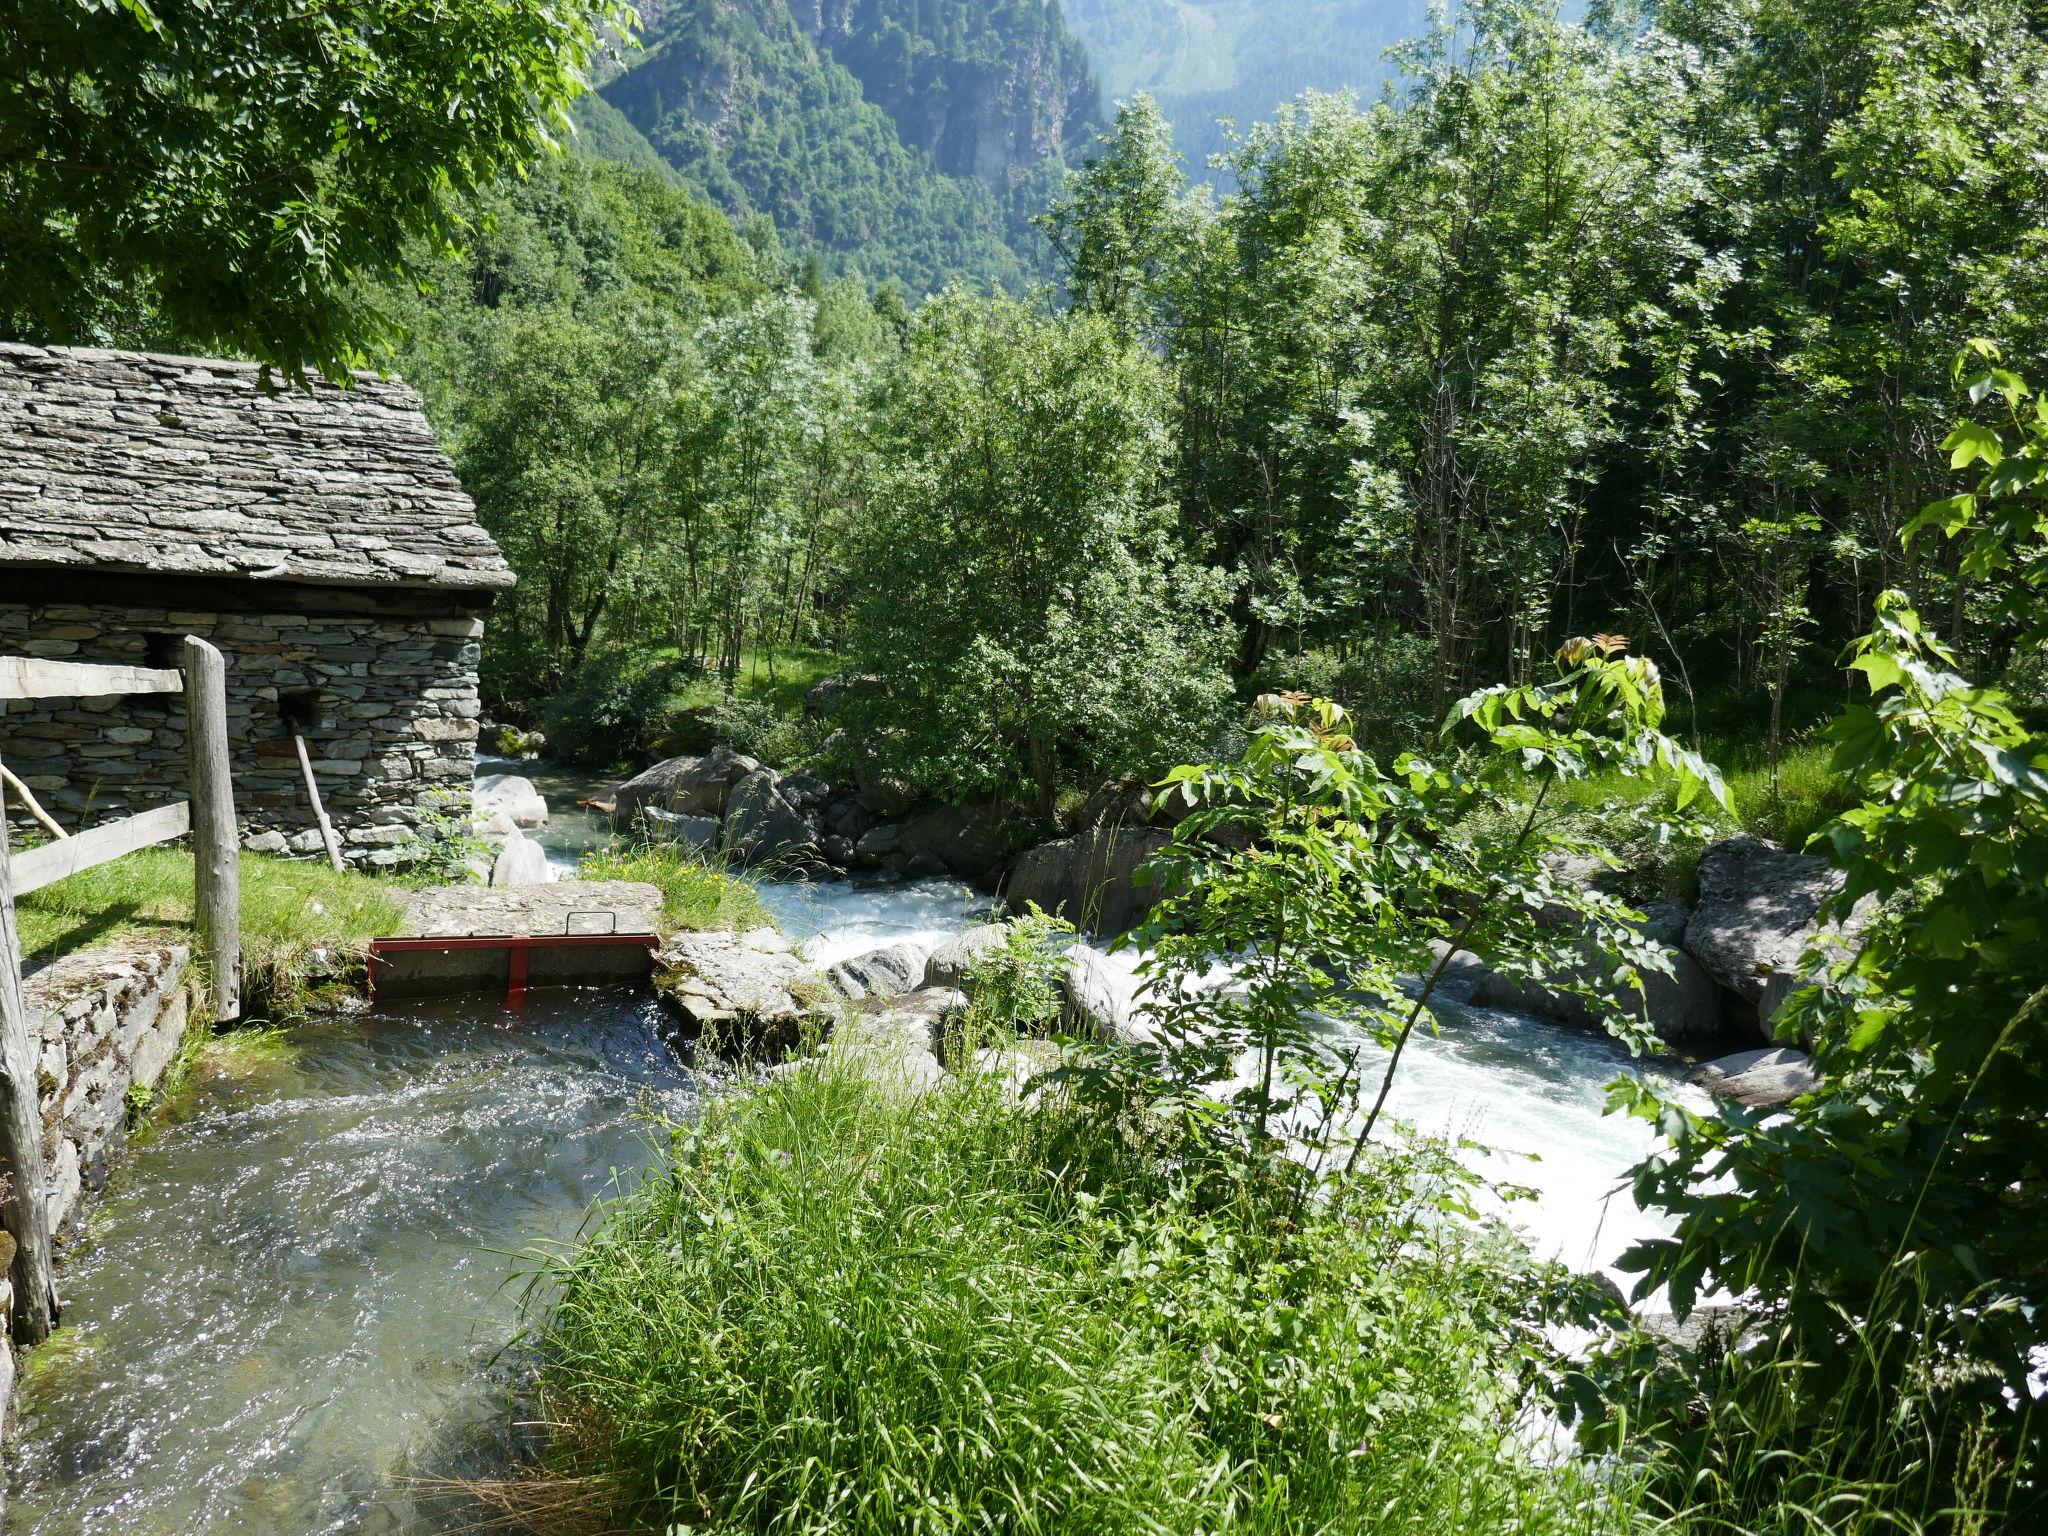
{"x":31,"y":677}
{"x":216,"y":839}
{"x":26,"y":1207}
{"x":38,"y":867}
{"x":319,"y":810}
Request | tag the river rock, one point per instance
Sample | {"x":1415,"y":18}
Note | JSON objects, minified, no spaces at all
{"x":688,"y":786}
{"x":747,"y":988}
{"x":970,"y":842}
{"x":827,"y":695}
{"x":1093,"y":1006}
{"x":521,"y":861}
{"x":886,"y":972}
{"x":513,"y":797}
{"x":1760,"y":1079}
{"x":898,"y":1044}
{"x":698,"y":832}
{"x":951,"y":962}
{"x":879,"y":843}
{"x":1090,"y":879}
{"x":1682,"y":1007}
{"x":763,"y":826}
{"x":880,"y":792}
{"x":1757,"y":914}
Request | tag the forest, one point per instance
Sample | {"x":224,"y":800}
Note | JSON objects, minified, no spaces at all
{"x":1623,"y":433}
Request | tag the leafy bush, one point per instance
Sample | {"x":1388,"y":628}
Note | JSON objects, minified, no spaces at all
{"x":1017,"y":984}
{"x":696,"y":893}
{"x":844,"y":1311}
{"x":611,"y":708}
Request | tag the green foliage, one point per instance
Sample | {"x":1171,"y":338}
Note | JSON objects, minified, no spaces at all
{"x":696,"y":894}
{"x":1889,"y":1231}
{"x":226,"y":177}
{"x":1016,"y":985}
{"x":1015,"y":578}
{"x":845,"y":1310}
{"x":444,"y":851}
{"x":1316,"y":882}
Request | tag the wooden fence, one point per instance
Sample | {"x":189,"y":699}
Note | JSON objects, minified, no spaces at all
{"x":209,"y":815}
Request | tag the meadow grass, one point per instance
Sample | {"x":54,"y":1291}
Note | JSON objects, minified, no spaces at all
{"x":300,"y":920}
{"x":845,"y":1310}
{"x":696,"y":893}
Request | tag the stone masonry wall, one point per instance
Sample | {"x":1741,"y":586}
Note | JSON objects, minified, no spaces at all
{"x":395,"y":698}
{"x":111,"y":1020}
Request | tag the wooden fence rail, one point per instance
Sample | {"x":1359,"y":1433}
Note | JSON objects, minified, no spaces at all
{"x":210,"y":816}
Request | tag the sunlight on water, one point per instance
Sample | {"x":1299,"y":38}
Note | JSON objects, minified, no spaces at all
{"x":297,"y":1296}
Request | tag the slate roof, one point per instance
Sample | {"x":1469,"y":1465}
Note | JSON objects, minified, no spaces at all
{"x":182,"y":466}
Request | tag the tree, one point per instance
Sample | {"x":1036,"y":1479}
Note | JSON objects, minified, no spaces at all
{"x":1016,"y":582}
{"x":227,"y":176}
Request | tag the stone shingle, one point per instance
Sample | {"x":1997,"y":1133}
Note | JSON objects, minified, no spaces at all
{"x":138,"y":462}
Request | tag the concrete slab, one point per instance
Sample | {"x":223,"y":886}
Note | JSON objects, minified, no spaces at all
{"x":583,"y":915}
{"x":565,"y":906}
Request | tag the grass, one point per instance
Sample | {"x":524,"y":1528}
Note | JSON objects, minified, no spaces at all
{"x":695,"y":894}
{"x":779,"y":677}
{"x":842,"y":1310}
{"x":301,"y":922}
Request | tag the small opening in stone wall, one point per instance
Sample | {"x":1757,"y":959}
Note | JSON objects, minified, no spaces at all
{"x":167,"y":653}
{"x":302,"y":709}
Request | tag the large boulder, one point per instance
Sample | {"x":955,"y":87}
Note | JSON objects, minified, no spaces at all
{"x":510,"y":796}
{"x":824,"y":698}
{"x":685,"y":786}
{"x":886,"y":972}
{"x":1760,"y":1079}
{"x":880,"y":792}
{"x":1682,"y":1007}
{"x":1092,"y":1001}
{"x":971,"y":842}
{"x":1090,"y":879}
{"x":521,"y":861}
{"x":763,"y":826}
{"x":748,"y":989}
{"x":1758,"y":911}
{"x":951,"y":963}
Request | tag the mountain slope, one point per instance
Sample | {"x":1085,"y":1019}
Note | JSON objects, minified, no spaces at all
{"x":906,"y":138}
{"x":1205,"y":59}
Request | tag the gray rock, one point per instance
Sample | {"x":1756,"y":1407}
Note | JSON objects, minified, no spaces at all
{"x":882,"y":793}
{"x":1760,"y":1079}
{"x":886,"y":972}
{"x":880,"y":843}
{"x":699,"y":832}
{"x":743,"y":987}
{"x":512,"y":796}
{"x":838,"y":850}
{"x":688,"y":786}
{"x":1094,"y":1004}
{"x":950,"y":962}
{"x":971,"y":842}
{"x":1682,"y":1007}
{"x":265,"y":842}
{"x":762,"y":827}
{"x":521,"y":861}
{"x":805,"y":789}
{"x":1757,"y":914}
{"x":1090,"y":879}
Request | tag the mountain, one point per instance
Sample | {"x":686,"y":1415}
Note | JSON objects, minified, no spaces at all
{"x":1205,"y":59}
{"x":911,"y":139}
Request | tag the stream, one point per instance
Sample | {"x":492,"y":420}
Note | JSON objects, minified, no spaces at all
{"x":294,"y":1308}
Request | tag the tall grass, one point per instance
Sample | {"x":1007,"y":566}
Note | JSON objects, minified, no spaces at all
{"x":697,"y":892}
{"x":841,"y":1310}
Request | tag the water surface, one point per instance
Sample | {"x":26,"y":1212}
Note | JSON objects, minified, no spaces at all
{"x":296,"y":1298}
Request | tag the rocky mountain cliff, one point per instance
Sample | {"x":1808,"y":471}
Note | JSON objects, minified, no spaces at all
{"x":903,"y":138}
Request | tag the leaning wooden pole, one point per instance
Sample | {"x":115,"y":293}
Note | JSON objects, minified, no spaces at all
{"x":26,"y":1208}
{"x":319,"y":810}
{"x":216,"y":843}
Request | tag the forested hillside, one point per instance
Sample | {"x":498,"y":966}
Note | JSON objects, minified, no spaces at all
{"x":912,"y":139}
{"x":1239,"y":59}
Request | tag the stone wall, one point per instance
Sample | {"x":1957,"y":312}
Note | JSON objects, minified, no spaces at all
{"x":110,"y":1021}
{"x":392,"y":701}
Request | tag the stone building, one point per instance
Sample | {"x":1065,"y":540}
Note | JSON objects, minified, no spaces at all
{"x":320,"y":540}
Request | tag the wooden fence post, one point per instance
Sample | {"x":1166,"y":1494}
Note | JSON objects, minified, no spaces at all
{"x":216,"y":840}
{"x":26,"y":1210}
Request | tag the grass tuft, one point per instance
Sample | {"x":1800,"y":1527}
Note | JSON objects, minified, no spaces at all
{"x":695,"y":894}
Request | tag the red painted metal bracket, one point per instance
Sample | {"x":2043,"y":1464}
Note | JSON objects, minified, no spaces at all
{"x":518,"y":948}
